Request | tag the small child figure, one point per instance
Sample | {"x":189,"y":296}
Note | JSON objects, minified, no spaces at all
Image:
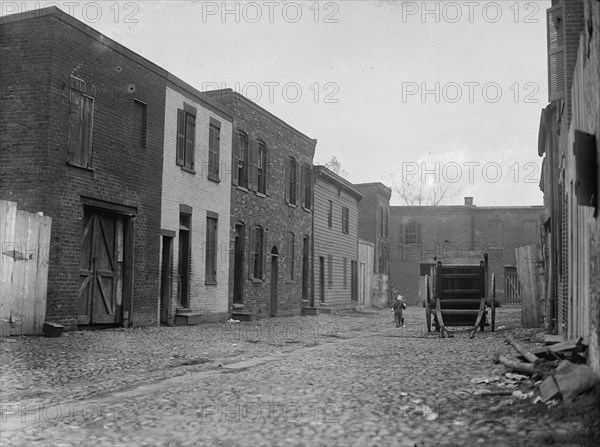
{"x":399,"y":306}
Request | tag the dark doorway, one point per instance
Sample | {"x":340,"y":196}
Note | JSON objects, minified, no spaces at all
{"x":183,"y":289}
{"x":305,"y":267}
{"x":322,"y":279}
{"x":166,"y":277}
{"x":101,"y":268}
{"x":274,"y":280}
{"x":238,"y":264}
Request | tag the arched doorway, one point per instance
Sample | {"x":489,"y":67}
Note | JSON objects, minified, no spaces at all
{"x":274,"y":279}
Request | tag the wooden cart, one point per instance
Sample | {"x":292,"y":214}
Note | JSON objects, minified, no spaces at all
{"x":456,"y":296}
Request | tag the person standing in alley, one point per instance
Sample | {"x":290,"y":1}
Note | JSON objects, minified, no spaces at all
{"x":399,"y":306}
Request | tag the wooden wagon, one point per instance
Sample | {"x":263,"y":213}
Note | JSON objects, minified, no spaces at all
{"x":456,"y":294}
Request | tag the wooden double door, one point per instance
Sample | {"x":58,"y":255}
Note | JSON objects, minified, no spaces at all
{"x":101,"y":268}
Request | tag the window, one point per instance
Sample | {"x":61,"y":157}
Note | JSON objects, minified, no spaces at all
{"x":412,"y":233}
{"x":530,"y":231}
{"x":345,"y":219}
{"x":211,"y":248}
{"x":214,"y":149}
{"x":292,"y":167}
{"x":345,"y":268}
{"x":81,"y":124}
{"x":256,"y":258}
{"x":386,"y":223}
{"x":186,"y":137}
{"x":329,"y":271}
{"x":242,"y":153}
{"x":495,"y":233}
{"x":380,"y":221}
{"x":307,"y":190}
{"x":261,"y":168}
{"x":290,"y":256}
{"x":330,"y":215}
{"x":140,"y":123}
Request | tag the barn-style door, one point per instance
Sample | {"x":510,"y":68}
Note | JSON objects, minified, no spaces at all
{"x":100,"y":292}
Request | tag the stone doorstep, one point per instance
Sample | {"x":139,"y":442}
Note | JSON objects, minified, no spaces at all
{"x":242,"y":316}
{"x":188,"y":319}
{"x":315,"y":310}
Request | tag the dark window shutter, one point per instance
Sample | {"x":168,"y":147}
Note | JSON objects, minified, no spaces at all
{"x":267,"y":170}
{"x":180,"y":136}
{"x":190,"y":140}
{"x":253,"y":166}
{"x":87,"y":120}
{"x":252,"y":251}
{"x":298,"y":184}
{"x":235,"y":151}
{"x":556,"y":53}
{"x":265,"y":252}
{"x":287,"y":180}
{"x":302,"y":182}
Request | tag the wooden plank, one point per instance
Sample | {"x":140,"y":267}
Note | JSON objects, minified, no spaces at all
{"x":8,"y":216}
{"x":30,"y":271}
{"x":527,"y":261}
{"x":43,"y":261}
{"x":17,"y":295}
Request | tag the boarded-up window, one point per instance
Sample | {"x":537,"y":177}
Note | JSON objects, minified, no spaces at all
{"x":345,"y":219}
{"x":81,"y":125}
{"x":290,"y":253}
{"x":329,"y":271}
{"x":214,"y":149}
{"x":140,"y":124}
{"x":186,"y":138}
{"x":211,"y":249}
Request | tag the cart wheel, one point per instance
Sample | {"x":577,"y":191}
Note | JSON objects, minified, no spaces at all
{"x":493,"y":323}
{"x":428,"y":317}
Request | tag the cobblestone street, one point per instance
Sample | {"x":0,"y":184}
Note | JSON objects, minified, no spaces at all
{"x":351,"y":378}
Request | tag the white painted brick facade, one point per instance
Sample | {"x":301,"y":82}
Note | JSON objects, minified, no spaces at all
{"x":196,"y":191}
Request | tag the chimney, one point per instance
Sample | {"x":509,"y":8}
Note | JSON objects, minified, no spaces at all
{"x":468,"y":201}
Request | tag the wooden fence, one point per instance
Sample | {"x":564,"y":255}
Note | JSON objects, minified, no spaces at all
{"x":530,"y":272}
{"x":512,"y":288}
{"x":25,"y":239}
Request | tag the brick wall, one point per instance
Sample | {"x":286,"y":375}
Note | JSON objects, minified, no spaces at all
{"x":271,"y":212}
{"x":46,"y":48}
{"x":201,"y":194}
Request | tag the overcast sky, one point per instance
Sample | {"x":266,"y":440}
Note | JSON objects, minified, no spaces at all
{"x":438,"y":90}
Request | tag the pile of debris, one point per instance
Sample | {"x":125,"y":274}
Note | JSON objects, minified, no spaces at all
{"x":558,"y":369}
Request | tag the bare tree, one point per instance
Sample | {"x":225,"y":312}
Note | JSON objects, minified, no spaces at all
{"x":335,"y":166}
{"x":418,"y":193}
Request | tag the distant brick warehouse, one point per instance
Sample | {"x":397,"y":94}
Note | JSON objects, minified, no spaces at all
{"x":335,"y":235}
{"x":82,"y":121}
{"x":271,"y":212}
{"x":418,"y":233}
{"x":195,"y":208}
{"x":374,"y":215}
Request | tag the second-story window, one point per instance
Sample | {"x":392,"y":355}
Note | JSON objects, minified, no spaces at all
{"x":242,"y":152}
{"x":307,"y":187}
{"x":214,"y":149}
{"x":261,"y":168}
{"x":291,"y":175}
{"x":186,"y":138}
{"x":380,"y":221}
{"x":81,"y":124}
{"x":345,"y":219}
{"x":330,"y":215}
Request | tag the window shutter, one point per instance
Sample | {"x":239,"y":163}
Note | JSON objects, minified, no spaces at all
{"x":556,"y":53}
{"x":191,"y":141}
{"x":312,"y":188}
{"x":87,"y":128}
{"x":180,"y":136}
{"x":235,"y":152}
{"x":287,"y":180}
{"x":253,"y":166}
{"x":298,"y":184}
{"x":252,"y":251}
{"x":302,"y":182}
{"x":266,"y":252}
{"x":267,"y":169}
{"x":74,"y":126}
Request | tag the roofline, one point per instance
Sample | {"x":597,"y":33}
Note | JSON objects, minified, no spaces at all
{"x":385,"y":190}
{"x":464,"y":207}
{"x":336,"y":179}
{"x":229,"y":91}
{"x":215,"y":106}
{"x":56,"y":12}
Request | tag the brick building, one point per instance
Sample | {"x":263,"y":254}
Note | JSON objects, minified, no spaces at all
{"x":195,"y":216}
{"x":335,"y":236}
{"x":419,"y":233}
{"x":373,"y":226}
{"x":82,"y":121}
{"x":271,"y":212}
{"x":569,"y":141}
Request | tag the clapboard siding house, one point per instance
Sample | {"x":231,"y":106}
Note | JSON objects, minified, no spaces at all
{"x":335,"y":236}
{"x":271,"y":212}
